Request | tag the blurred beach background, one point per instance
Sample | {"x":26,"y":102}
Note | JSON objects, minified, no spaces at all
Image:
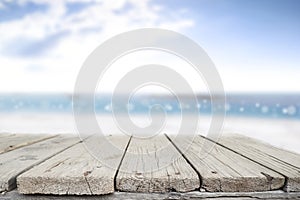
{"x":255,"y":46}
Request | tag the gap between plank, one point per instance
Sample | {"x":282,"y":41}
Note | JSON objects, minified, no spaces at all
{"x":282,"y":160}
{"x":119,"y":166}
{"x":285,"y":177}
{"x":30,"y":143}
{"x":186,"y":159}
{"x":13,"y":181}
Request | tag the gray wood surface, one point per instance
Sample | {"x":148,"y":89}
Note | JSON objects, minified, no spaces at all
{"x":10,"y":142}
{"x":156,"y":196}
{"x":16,"y":162}
{"x":75,"y":171}
{"x":282,"y":161}
{"x":237,"y":166}
{"x":154,"y":165}
{"x":225,"y":171}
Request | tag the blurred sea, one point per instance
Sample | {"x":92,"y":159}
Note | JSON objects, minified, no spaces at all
{"x":273,"y":118}
{"x":245,"y":105}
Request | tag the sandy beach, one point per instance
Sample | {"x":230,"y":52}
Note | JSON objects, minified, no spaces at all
{"x":283,"y":133}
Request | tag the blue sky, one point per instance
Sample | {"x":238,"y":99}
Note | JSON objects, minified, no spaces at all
{"x":255,"y":44}
{"x":262,"y":29}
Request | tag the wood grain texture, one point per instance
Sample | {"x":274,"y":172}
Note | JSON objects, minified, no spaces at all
{"x":15,"y":162}
{"x":282,"y":161}
{"x":75,"y":171}
{"x":10,"y":142}
{"x":225,"y":171}
{"x":154,"y":165}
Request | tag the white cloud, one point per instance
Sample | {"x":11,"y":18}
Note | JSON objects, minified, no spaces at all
{"x":58,"y":41}
{"x":263,"y":80}
{"x":25,"y":42}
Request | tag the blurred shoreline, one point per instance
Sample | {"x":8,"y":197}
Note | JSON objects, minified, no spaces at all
{"x":283,"y":133}
{"x":273,"y":118}
{"x":258,"y":105}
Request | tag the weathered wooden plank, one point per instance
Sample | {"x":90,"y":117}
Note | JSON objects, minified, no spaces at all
{"x":154,"y":165}
{"x":16,"y":162}
{"x":225,"y":171}
{"x":10,"y":142}
{"x":75,"y":171}
{"x":282,"y":161}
